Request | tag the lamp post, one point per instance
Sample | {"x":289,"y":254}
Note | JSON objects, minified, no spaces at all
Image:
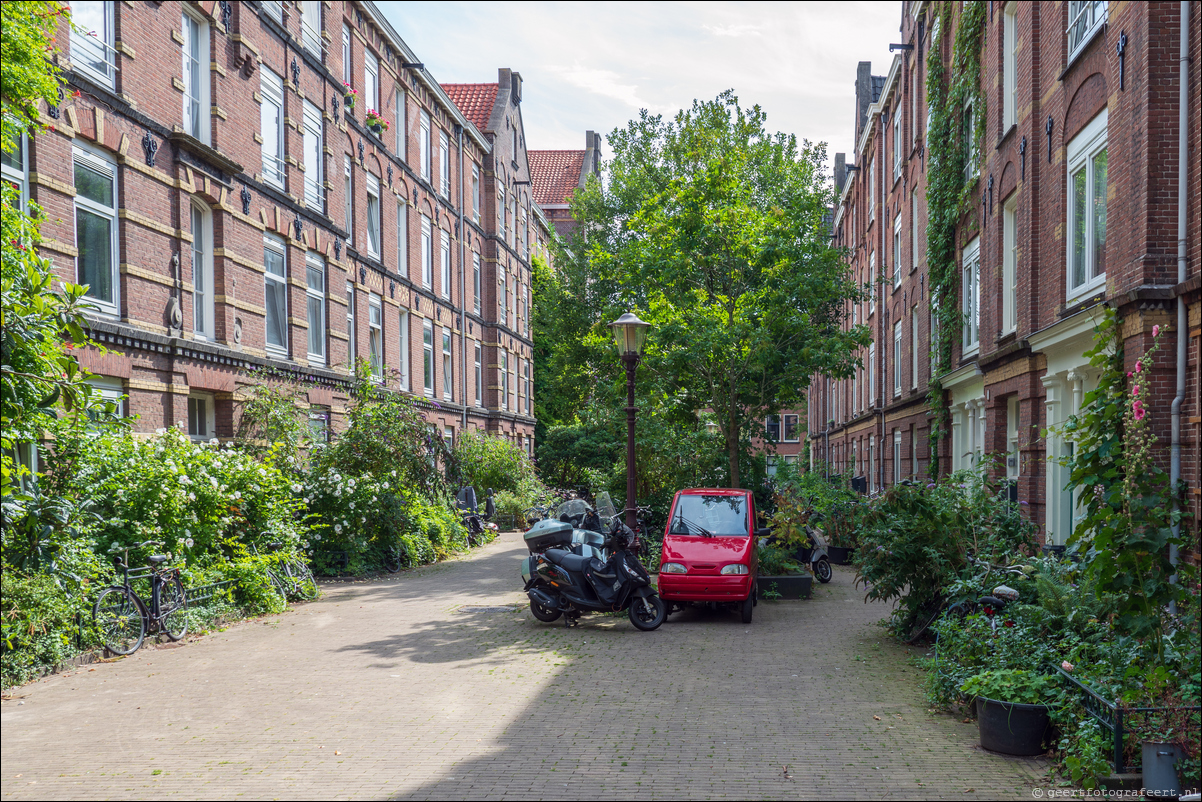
{"x":630,"y":334}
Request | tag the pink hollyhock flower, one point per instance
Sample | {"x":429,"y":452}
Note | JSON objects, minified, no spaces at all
{"x":1138,"y":409}
{"x":1129,"y":374}
{"x":1135,"y":391}
{"x":1139,"y":365}
{"x":1156,"y":331}
{"x":1067,"y":666}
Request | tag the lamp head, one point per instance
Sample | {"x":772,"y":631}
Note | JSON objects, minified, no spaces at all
{"x":630,"y":334}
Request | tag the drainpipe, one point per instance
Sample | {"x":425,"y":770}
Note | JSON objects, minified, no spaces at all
{"x":1182,"y":322}
{"x":462,"y":286}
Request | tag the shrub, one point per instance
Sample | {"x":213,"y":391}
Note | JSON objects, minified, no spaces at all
{"x":487,"y":461}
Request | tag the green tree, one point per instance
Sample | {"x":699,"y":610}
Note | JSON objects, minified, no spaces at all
{"x":714,"y":230}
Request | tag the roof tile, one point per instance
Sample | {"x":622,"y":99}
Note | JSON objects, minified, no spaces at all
{"x":554,"y":174}
{"x":474,"y":100}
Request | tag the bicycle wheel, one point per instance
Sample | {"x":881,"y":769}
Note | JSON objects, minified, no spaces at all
{"x":279,"y":586}
{"x":392,"y":559}
{"x":306,"y":584}
{"x":118,"y":617}
{"x":173,"y":609}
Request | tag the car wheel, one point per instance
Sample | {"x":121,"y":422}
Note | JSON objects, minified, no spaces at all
{"x":747,"y":607}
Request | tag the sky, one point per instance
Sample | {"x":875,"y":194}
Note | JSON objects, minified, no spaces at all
{"x":593,"y":66}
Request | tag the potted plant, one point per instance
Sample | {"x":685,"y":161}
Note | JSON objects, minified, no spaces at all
{"x":375,"y":123}
{"x":1012,"y":709}
{"x":349,"y":96}
{"x":841,"y":533}
{"x":780,"y":577}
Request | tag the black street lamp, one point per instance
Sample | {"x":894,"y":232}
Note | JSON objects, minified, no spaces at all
{"x":630,"y":334}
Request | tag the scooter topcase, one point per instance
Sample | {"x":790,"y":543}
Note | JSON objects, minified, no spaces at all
{"x":549,"y":534}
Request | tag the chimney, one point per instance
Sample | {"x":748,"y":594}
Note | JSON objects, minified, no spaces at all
{"x":840,"y":171}
{"x":863,"y":95}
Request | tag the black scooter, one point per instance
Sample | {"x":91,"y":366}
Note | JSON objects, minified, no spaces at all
{"x":560,"y":583}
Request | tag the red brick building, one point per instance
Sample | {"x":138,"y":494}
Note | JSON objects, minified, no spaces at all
{"x":556,"y":174}
{"x":207,"y":176}
{"x":1084,"y":135}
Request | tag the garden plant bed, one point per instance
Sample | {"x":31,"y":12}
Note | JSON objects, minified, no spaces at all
{"x":797,"y":586}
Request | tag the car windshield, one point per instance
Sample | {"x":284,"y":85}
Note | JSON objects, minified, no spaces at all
{"x":721,"y":515}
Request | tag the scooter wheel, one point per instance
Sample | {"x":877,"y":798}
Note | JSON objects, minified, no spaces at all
{"x":544,"y":614}
{"x":823,"y":571}
{"x":647,"y":612}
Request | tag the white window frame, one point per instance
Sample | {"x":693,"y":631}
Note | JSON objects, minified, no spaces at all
{"x":424,"y":141}
{"x":402,"y":125}
{"x":477,"y":287}
{"x":444,"y":164}
{"x":504,"y":380}
{"x":14,"y":168}
{"x":871,"y":190}
{"x":914,"y":250}
{"x":315,"y":307}
{"x":403,"y":339}
{"x":1013,"y":461}
{"x":1084,"y":17}
{"x":373,"y":216}
{"x":897,"y":251}
{"x":476,"y":193}
{"x":351,"y":342}
{"x":271,"y":122}
{"x":105,"y":167}
{"x":428,"y":358}
{"x":970,"y":296}
{"x":201,"y":411}
{"x":1010,"y":264}
{"x":897,"y":474}
{"x":871,"y":375}
{"x":375,"y":335}
{"x":371,"y":81}
{"x":784,"y":428}
{"x":276,"y":246}
{"x":897,"y":358}
{"x":971,"y":167}
{"x":503,"y":299}
{"x":872,"y":283}
{"x":275,"y":10}
{"x":311,"y":26}
{"x":897,"y":138}
{"x":448,"y":371}
{"x":479,"y":376}
{"x":102,"y":45}
{"x":427,"y":253}
{"x":914,"y":347}
{"x":402,"y":238}
{"x":203,"y":308}
{"x":1082,"y":151}
{"x":314,"y":156}
{"x":445,"y":263}
{"x":348,"y":191}
{"x":1009,"y":65}
{"x":195,"y":58}
{"x":348,"y":72}
{"x":529,"y":385}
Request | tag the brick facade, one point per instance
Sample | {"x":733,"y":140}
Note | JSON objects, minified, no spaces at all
{"x":1105,"y":111}
{"x":174,"y":331}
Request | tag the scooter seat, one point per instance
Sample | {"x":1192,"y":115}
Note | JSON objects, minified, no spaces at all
{"x":567,"y":560}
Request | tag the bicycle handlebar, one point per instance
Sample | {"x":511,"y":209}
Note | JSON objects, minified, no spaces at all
{"x":147,"y":544}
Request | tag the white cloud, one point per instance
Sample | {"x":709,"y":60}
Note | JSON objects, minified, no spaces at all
{"x":733,"y":30}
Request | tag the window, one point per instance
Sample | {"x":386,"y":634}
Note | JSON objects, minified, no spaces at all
{"x":913,"y":229}
{"x":373,"y":215}
{"x":271,"y":112}
{"x":448,"y":436}
{"x":1009,"y":66}
{"x":371,"y":80}
{"x":773,"y":427}
{"x":427,"y":253}
{"x":897,"y":138}
{"x":528,"y":385}
{"x":350,"y":324}
{"x":348,"y":192}
{"x":196,"y":75}
{"x":319,"y":425}
{"x":872,"y":282}
{"x":897,"y":261}
{"x":96,"y":228}
{"x":202,"y":271}
{"x":402,"y":239}
{"x":402,"y":125}
{"x":871,"y":190}
{"x":444,"y":164}
{"x":348,"y":75}
{"x":311,"y":26}
{"x":504,"y":380}
{"x":524,"y":237}
{"x":1010,"y":264}
{"x":502,"y":312}
{"x":314,"y":191}
{"x":315,"y":297}
{"x":970,"y":141}
{"x":791,"y":433}
{"x":1084,"y":17}
{"x":446,"y":264}
{"x":275,"y":291}
{"x":770,"y":465}
{"x":897,"y":459}
{"x":428,"y":356}
{"x":200,"y":417}
{"x":871,"y":374}
{"x":92,"y":50}
{"x":403,"y":339}
{"x":933,"y":346}
{"x":479,"y":378}
{"x":476,"y":193}
{"x":871,"y":463}
{"x":476,"y":282}
{"x":275,"y":10}
{"x":424,"y":141}
{"x":897,"y":358}
{"x":447,"y":383}
{"x":501,"y":215}
{"x":1087,"y":208}
{"x":970,"y":282}
{"x":914,"y":346}
{"x":14,"y":168}
{"x":375,"y":335}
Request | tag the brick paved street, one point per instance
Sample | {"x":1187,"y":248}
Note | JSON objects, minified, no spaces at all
{"x":389,"y":689}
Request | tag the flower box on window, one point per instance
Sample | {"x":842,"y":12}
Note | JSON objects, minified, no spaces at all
{"x":375,"y":123}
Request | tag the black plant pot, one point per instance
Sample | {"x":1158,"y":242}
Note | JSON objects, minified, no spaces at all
{"x":840,"y":555}
{"x":793,"y":586}
{"x":376,"y":129}
{"x":1011,"y":728}
{"x":1160,"y":772}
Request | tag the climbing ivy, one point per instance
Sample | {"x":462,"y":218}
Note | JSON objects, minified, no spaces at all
{"x":949,"y":194}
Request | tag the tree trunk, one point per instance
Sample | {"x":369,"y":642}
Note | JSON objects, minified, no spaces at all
{"x":732,"y":452}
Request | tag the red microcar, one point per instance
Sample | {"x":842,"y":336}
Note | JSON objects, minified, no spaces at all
{"x":709,"y":550}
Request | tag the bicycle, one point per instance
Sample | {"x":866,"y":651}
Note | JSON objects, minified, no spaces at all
{"x":122,"y":617}
{"x":291,"y":576}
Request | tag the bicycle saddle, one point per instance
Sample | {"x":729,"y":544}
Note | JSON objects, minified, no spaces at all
{"x":157,"y":558}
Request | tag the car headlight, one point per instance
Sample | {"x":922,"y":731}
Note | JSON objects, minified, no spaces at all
{"x":673,"y":568}
{"x":734,"y":568}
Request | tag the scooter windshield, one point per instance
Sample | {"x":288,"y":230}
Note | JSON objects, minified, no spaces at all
{"x":722,"y":516}
{"x":605,"y":507}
